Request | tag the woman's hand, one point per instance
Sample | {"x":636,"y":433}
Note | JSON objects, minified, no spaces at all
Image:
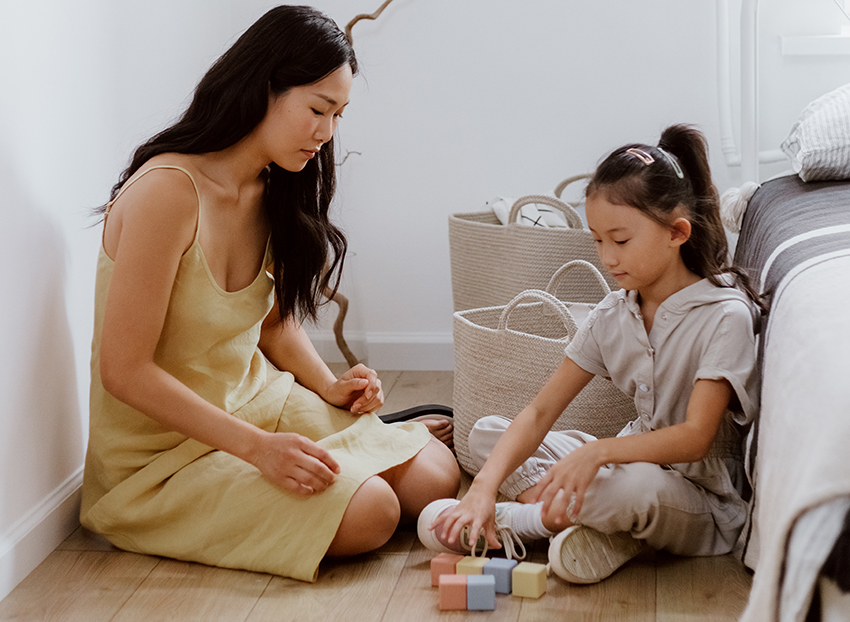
{"x":358,"y":390}
{"x":477,"y":509}
{"x":562,"y":489}
{"x":294,"y":463}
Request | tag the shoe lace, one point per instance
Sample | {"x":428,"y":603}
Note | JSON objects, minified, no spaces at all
{"x":514,"y":548}
{"x":511,"y":542}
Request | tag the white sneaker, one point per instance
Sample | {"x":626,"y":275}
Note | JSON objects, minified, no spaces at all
{"x":513,"y":546}
{"x":580,"y":554}
{"x":428,"y":536}
{"x":510,"y":539}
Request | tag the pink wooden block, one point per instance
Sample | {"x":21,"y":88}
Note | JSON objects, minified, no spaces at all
{"x":444,"y":563}
{"x":452,"y":592}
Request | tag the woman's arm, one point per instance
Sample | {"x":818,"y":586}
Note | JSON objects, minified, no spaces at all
{"x":689,"y":441}
{"x":287,"y":346}
{"x":519,"y":441}
{"x":147,"y":234}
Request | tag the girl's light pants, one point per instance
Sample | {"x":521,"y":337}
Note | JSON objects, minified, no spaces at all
{"x":657,"y":504}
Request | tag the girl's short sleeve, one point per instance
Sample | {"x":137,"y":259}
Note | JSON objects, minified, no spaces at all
{"x":730,"y":354}
{"x":584,"y":349}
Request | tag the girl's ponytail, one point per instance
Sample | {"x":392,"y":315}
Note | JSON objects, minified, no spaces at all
{"x":658,"y":180}
{"x":690,"y":148}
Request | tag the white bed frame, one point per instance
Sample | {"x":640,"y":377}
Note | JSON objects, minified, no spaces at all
{"x":749,"y":157}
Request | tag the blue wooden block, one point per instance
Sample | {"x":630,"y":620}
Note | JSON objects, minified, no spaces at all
{"x":502,"y":570}
{"x":480,"y":592}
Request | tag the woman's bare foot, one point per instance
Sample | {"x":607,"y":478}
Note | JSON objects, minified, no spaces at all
{"x":441,"y":429}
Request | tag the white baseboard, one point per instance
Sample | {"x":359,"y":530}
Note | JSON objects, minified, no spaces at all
{"x":32,"y":538}
{"x":396,"y":351}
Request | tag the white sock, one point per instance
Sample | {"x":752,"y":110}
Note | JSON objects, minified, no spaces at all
{"x":527,"y":521}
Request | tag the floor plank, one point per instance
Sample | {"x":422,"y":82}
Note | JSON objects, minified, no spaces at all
{"x":388,"y":382}
{"x":183,"y":591}
{"x":402,"y":541}
{"x":413,"y":388}
{"x":84,"y":540}
{"x":77,"y":586}
{"x":351,"y":589}
{"x":716,"y":587}
{"x":626,"y":596}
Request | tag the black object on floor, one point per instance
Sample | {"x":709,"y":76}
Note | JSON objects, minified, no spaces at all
{"x":417,"y":411}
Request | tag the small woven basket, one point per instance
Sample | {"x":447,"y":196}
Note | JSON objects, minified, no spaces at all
{"x":505,"y":354}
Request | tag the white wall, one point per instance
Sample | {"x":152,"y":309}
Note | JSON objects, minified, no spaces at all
{"x":457,"y":102}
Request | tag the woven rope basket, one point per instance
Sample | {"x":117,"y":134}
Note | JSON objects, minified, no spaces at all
{"x":491,"y":263}
{"x":505,"y":354}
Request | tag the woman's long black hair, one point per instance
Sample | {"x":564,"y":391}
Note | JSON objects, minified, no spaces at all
{"x":288,"y":46}
{"x":676,"y":174}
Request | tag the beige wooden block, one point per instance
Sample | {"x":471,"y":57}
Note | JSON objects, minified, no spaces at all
{"x":471,"y":565}
{"x":529,"y":580}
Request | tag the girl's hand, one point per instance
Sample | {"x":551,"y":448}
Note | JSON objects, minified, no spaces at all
{"x":477,"y":509}
{"x":358,"y":390}
{"x":563,"y":487}
{"x":294,"y":463}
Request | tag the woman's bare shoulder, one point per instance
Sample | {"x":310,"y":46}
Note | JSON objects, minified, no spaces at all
{"x":163,"y":182}
{"x":160,"y":197}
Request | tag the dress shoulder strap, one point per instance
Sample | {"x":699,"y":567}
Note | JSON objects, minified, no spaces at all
{"x":145,"y":172}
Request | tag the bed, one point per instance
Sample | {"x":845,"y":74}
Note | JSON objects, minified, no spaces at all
{"x":795,"y":239}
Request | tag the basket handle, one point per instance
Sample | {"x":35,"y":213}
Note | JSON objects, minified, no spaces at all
{"x":559,"y":189}
{"x":540,"y":296}
{"x":573,"y":219}
{"x":577,"y":264}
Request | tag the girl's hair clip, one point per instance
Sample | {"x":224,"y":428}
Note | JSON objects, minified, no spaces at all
{"x":641,"y":155}
{"x":673,"y":163}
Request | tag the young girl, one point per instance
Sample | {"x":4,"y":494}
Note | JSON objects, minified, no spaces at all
{"x":678,"y":338}
{"x":217,"y":433}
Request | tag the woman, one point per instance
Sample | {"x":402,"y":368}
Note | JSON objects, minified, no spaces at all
{"x":217,"y":433}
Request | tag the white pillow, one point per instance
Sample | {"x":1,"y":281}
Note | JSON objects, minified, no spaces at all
{"x":819,"y":142}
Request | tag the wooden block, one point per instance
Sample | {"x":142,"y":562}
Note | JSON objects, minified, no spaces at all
{"x":529,"y":580}
{"x":472,"y":565}
{"x":452,"y":592}
{"x":480,"y":592}
{"x":444,"y":563}
{"x":501,"y":569}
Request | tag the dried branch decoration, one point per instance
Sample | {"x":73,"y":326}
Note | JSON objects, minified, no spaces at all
{"x":357,"y":18}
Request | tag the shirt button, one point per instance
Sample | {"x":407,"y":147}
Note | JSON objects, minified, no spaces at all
{"x":643,"y":388}
{"x":664,"y":316}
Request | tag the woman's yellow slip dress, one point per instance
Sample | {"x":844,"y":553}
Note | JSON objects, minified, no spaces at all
{"x":151,"y":490}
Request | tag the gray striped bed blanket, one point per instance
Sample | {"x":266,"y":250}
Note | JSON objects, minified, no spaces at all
{"x":795,"y":241}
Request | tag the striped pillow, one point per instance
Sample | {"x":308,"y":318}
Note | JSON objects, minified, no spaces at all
{"x":819,"y":142}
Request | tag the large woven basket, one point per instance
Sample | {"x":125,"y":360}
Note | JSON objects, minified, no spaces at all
{"x":491,"y":263}
{"x":505,"y":354}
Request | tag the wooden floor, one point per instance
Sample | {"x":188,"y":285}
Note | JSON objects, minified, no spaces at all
{"x":86,"y":579}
